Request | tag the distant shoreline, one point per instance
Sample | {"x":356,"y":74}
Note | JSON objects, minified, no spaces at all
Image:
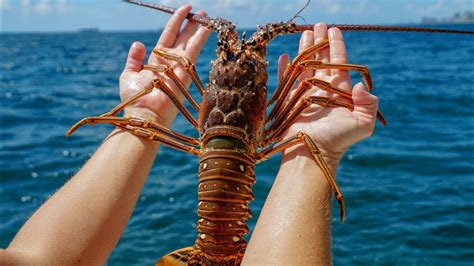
{"x":445,"y":23}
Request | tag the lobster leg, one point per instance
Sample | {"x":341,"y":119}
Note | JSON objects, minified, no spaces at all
{"x":324,"y":85}
{"x":303,"y":104}
{"x":156,"y":137}
{"x":188,"y":66}
{"x":318,"y":158}
{"x":149,"y":130}
{"x":363,"y":70}
{"x":157,"y":83}
{"x":293,"y":70}
{"x":133,"y":121}
{"x":296,"y":68}
{"x":169,"y":72}
{"x":299,"y":92}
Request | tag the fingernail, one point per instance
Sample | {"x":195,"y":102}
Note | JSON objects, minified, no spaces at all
{"x":363,"y":88}
{"x":137,"y":45}
{"x":334,"y":32}
{"x":184,"y":7}
{"x":319,"y":26}
{"x":283,"y":57}
{"x":307,"y":35}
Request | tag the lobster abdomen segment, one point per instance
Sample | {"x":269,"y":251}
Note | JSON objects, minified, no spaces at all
{"x":225,"y":180}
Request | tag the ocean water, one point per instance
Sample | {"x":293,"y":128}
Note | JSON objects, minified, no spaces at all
{"x":409,"y":189}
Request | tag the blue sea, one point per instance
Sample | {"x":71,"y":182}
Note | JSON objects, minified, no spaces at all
{"x":409,"y":188}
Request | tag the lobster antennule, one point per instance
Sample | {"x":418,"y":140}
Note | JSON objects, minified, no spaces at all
{"x":171,"y":10}
{"x":348,"y":27}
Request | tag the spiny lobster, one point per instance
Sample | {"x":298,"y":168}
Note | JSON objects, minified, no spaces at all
{"x":234,"y":131}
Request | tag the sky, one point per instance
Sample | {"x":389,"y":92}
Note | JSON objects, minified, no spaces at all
{"x":114,"y":15}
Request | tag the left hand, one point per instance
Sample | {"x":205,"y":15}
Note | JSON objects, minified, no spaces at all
{"x":156,"y":106}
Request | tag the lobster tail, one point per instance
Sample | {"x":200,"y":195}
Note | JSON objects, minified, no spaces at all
{"x":225,"y":180}
{"x":178,"y":257}
{"x":226,"y":175}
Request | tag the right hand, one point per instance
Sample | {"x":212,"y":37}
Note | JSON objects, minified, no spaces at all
{"x":333,"y":129}
{"x":156,"y":106}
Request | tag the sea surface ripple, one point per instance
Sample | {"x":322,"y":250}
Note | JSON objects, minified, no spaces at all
{"x":409,"y":189}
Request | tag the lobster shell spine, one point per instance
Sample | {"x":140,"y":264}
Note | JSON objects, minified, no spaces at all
{"x":225,"y":180}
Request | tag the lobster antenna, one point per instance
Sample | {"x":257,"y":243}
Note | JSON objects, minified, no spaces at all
{"x":348,"y":27}
{"x":304,"y":20}
{"x":206,"y":21}
{"x":171,"y":10}
{"x":301,"y":10}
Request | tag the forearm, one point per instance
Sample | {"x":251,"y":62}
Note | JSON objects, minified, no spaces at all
{"x":294,"y":227}
{"x":83,"y":221}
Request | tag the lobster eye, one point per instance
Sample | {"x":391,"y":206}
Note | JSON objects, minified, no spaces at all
{"x":252,"y":42}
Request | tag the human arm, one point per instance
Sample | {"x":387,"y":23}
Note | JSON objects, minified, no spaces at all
{"x":294,"y":227}
{"x":83,"y":221}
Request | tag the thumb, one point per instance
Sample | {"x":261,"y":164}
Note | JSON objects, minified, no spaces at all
{"x":283,"y":61}
{"x":135,"y":58}
{"x":365,"y":105}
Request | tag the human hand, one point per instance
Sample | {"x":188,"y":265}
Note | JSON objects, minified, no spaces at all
{"x":333,"y":129}
{"x":156,"y":106}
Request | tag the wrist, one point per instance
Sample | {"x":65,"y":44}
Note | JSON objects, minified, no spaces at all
{"x":147,"y":114}
{"x":300,"y":169}
{"x":128,"y":138}
{"x":302,"y":153}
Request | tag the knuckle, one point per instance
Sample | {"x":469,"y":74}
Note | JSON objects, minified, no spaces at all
{"x":122,"y":76}
{"x":375,"y":99}
{"x":367,"y":129}
{"x":370,"y":130}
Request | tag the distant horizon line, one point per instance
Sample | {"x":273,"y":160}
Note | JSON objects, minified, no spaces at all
{"x":94,"y":30}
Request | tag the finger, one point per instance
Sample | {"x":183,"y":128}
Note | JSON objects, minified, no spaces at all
{"x":283,"y":62}
{"x":365,"y":107}
{"x":168,"y":36}
{"x":196,"y":42}
{"x":321,"y":33}
{"x":306,"y":41}
{"x":135,"y":58}
{"x":188,"y":31}
{"x":338,"y":55}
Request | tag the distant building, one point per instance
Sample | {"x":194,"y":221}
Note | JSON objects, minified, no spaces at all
{"x":458,"y":17}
